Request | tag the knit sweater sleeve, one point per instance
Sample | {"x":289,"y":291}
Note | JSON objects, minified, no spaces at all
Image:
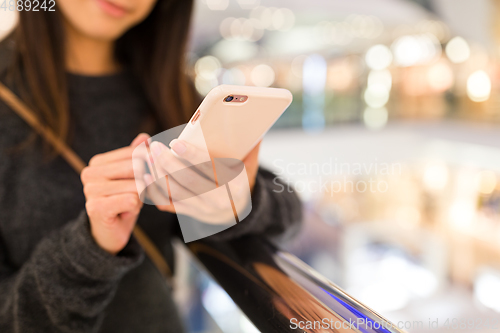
{"x":66,"y":283}
{"x":68,"y":279}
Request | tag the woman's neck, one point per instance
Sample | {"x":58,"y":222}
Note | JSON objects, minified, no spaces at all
{"x":88,"y":56}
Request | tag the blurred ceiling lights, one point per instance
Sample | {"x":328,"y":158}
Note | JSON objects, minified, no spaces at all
{"x":378,"y":57}
{"x":314,"y":73}
{"x":457,"y":50}
{"x":414,"y":50}
{"x":261,"y":18}
{"x":440,"y":76}
{"x":271,"y":18}
{"x":375,"y":118}
{"x":416,"y":46}
{"x":462,"y":214}
{"x":234,"y":50}
{"x":435,"y":176}
{"x":487,"y":289}
{"x":382,"y":78}
{"x":241,"y":29}
{"x":343,"y":32}
{"x":376,"y":95}
{"x":479,"y":86}
{"x":207,"y":69}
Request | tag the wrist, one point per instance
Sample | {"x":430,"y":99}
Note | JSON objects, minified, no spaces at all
{"x":103,"y":242}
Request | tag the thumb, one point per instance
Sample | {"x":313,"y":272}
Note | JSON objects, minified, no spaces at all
{"x":139,"y":139}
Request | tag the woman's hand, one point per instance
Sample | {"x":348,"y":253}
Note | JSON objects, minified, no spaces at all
{"x":113,"y":204}
{"x":189,"y":179}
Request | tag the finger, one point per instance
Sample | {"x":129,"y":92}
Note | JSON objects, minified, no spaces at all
{"x":179,"y":192}
{"x":110,"y":207}
{"x":177,"y":163}
{"x":156,"y":192}
{"x":214,"y":210}
{"x":143,"y":137}
{"x":189,"y":152}
{"x":111,"y":156}
{"x":197,"y":179}
{"x":107,"y":188}
{"x":214,"y":205}
{"x":111,"y":171}
{"x":251,"y":162}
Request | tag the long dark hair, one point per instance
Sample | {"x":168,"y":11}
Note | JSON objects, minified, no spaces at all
{"x":153,"y":50}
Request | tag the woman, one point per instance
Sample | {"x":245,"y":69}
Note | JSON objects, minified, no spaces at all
{"x":98,"y":72}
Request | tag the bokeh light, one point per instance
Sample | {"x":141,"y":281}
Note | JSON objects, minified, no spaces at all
{"x":203,"y":86}
{"x":378,"y":57}
{"x":376,"y":95}
{"x":381,"y":77}
{"x":487,"y":289}
{"x":435,"y":176}
{"x":416,"y":50}
{"x":217,"y":4}
{"x":437,"y":28}
{"x":440,"y":77}
{"x":207,"y":70}
{"x":365,"y":26}
{"x":263,"y":75}
{"x":375,"y":118}
{"x":479,"y":86}
{"x":272,"y":18}
{"x":314,"y":73}
{"x":8,"y":19}
{"x":230,"y":51}
{"x":241,"y":29}
{"x":486,"y":182}
{"x":234,"y":76}
{"x":457,"y":50}
{"x":207,"y":67}
{"x":297,"y":64}
{"x":248,"y":4}
{"x":462,"y":214}
{"x":340,"y":76}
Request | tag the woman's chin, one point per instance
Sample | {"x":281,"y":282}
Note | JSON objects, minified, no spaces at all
{"x":104,"y":19}
{"x":104,"y":29}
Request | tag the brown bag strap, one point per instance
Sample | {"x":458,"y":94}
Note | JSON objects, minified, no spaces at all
{"x":78,"y":164}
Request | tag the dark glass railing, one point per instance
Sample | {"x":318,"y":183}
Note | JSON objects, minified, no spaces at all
{"x":280,"y":293}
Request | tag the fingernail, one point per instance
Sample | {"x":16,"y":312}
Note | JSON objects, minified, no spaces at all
{"x":155,"y":149}
{"x":140,"y":137}
{"x":178,"y":146}
{"x":137,"y":138}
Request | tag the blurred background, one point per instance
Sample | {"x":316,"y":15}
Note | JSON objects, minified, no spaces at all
{"x":392,"y":141}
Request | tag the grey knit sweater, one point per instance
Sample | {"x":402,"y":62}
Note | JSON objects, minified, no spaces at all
{"x":53,"y":276}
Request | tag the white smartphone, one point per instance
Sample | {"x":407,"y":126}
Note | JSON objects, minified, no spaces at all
{"x":232,"y":120}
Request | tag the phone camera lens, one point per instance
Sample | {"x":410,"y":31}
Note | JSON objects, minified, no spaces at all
{"x":228,"y":98}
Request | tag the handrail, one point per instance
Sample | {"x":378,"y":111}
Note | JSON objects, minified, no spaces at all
{"x":280,"y":293}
